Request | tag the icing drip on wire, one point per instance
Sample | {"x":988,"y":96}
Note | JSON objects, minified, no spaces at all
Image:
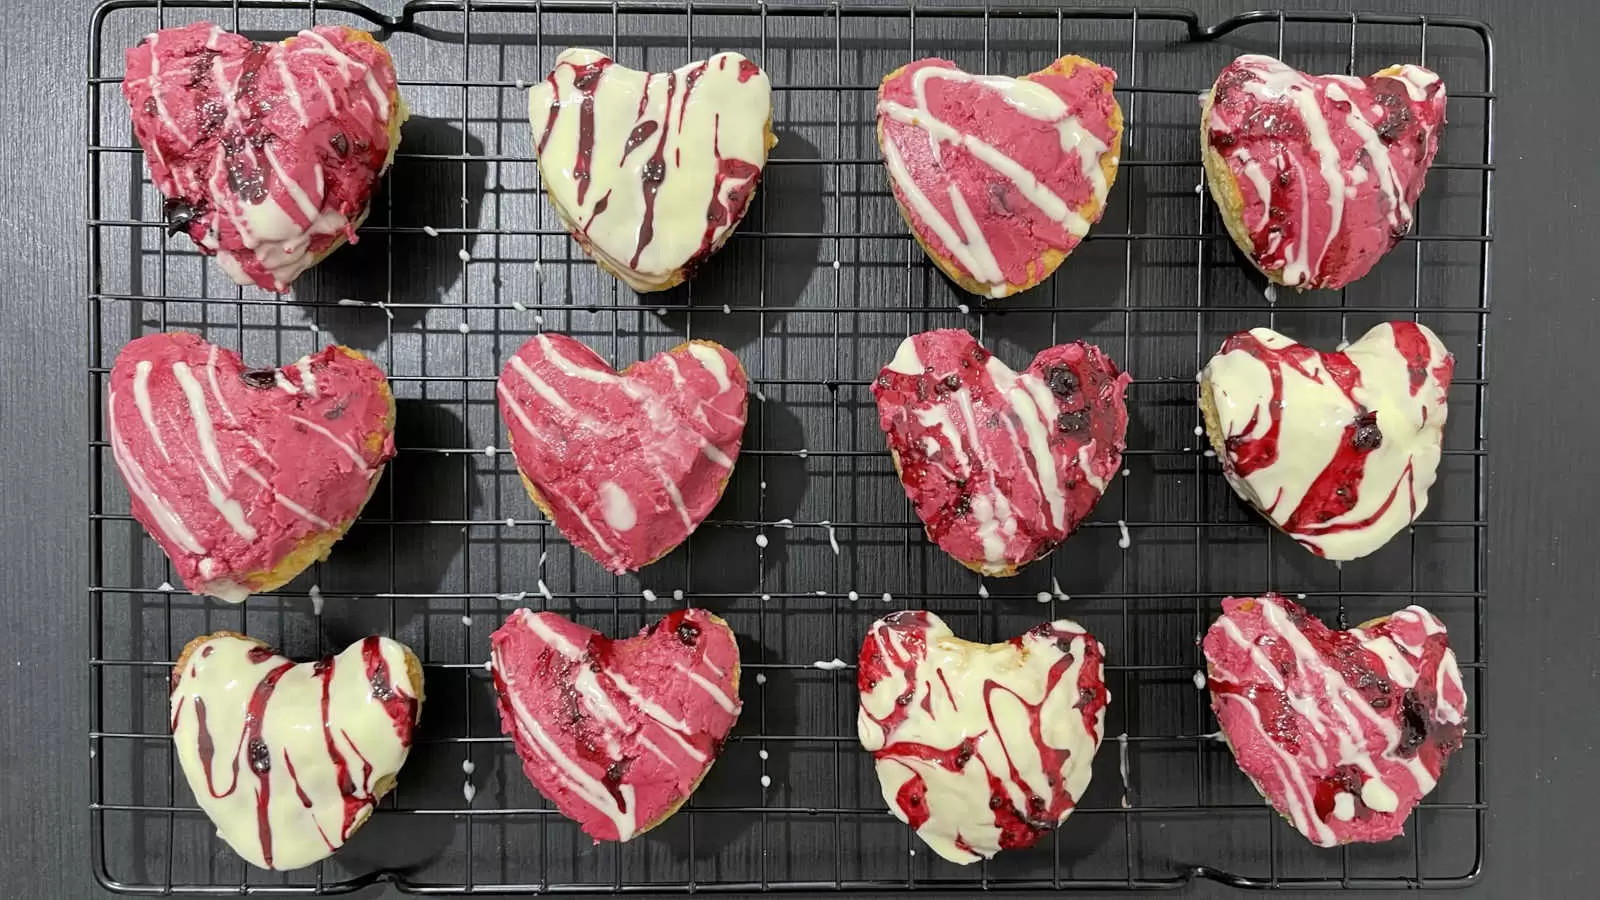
{"x":980,"y":748}
{"x":627,"y":464}
{"x":651,"y":171}
{"x":289,"y":760}
{"x":1337,"y":449}
{"x":1342,"y":731}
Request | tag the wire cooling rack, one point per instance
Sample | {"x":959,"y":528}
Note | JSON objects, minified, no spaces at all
{"x":462,"y":260}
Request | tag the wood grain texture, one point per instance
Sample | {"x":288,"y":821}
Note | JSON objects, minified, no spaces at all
{"x":1543,"y":626}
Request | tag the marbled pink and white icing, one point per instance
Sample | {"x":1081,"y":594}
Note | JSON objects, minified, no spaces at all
{"x":1338,"y":449}
{"x":268,"y":154}
{"x":289,"y":760}
{"x":231,"y":469}
{"x":627,"y":465}
{"x":651,"y":171}
{"x":980,"y":747}
{"x":994,"y":172}
{"x":1342,"y":731}
{"x":616,"y":733}
{"x":1001,"y":466}
{"x":1329,"y":166}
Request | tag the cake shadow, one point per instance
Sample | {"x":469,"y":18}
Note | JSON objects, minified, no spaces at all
{"x":438,"y":182}
{"x":754,"y":270}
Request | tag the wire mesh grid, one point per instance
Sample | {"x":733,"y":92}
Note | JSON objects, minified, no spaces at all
{"x":462,"y":260}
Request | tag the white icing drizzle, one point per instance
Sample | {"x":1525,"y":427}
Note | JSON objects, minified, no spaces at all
{"x":1314,"y":415}
{"x":711,"y":358}
{"x":687,"y":119}
{"x":139,"y":486}
{"x":344,"y":445}
{"x":305,"y":818}
{"x":141,"y":398}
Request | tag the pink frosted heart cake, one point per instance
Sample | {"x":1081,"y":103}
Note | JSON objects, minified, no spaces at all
{"x":245,"y":476}
{"x":980,"y":747}
{"x":268,"y":154}
{"x":289,"y":760}
{"x":1341,"y":731}
{"x":626,"y":464}
{"x":1317,"y":176}
{"x":617,"y":734}
{"x":1336,"y":449}
{"x":651,"y":171}
{"x":1000,"y":178}
{"x":1001,"y":466}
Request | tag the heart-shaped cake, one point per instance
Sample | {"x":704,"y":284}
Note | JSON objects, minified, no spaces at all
{"x":1336,"y":449}
{"x":1000,"y":178}
{"x":611,"y":143}
{"x":1317,"y":176}
{"x":268,"y":154}
{"x":617,"y":734}
{"x":980,"y":747}
{"x":626,"y":465}
{"x":245,"y":476}
{"x":1341,"y":731}
{"x":1001,"y":466}
{"x":290,"y":759}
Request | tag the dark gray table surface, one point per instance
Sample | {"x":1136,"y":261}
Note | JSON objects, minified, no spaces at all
{"x":1543,"y":622}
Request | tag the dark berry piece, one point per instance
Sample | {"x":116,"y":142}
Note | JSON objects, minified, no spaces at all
{"x":1368,"y":436}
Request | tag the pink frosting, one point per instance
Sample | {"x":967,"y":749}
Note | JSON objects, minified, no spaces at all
{"x":1001,"y":466}
{"x":267,"y":153}
{"x":628,"y":465}
{"x":1331,"y":724}
{"x":1014,"y":227}
{"x":229,"y":468}
{"x":1330,"y":167}
{"x":616,"y":733}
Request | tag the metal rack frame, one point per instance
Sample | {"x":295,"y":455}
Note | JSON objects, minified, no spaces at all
{"x":148,"y":835}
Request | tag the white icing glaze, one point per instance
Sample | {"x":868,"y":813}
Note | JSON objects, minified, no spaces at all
{"x":287,"y":785}
{"x":682,"y":122}
{"x":989,"y":697}
{"x":1314,"y":415}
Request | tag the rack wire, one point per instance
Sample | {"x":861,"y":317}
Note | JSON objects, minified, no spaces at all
{"x":461,"y":261}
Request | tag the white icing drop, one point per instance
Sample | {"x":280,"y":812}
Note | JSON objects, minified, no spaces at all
{"x":830,"y":665}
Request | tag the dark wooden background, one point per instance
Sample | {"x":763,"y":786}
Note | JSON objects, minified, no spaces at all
{"x":1543,"y":626}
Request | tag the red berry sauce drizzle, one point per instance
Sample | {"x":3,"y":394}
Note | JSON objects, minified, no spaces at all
{"x":1342,"y":731}
{"x":980,"y":748}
